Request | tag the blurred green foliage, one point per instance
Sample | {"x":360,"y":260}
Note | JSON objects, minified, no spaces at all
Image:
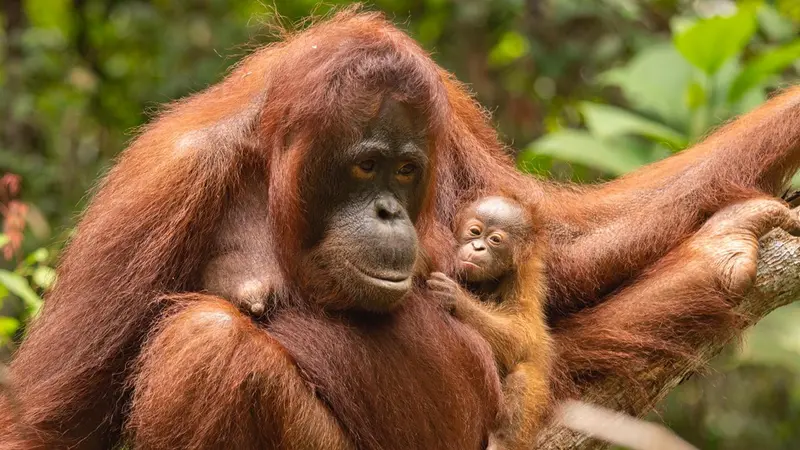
{"x":588,"y":90}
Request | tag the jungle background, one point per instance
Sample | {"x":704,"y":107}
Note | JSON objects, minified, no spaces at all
{"x":583,"y":90}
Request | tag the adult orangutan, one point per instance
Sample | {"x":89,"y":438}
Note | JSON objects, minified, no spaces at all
{"x":360,"y":150}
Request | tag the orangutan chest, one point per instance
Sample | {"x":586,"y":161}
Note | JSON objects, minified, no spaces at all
{"x":415,"y":379}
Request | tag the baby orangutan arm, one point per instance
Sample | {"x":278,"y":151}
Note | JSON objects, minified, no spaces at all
{"x":490,"y":322}
{"x":522,"y":349}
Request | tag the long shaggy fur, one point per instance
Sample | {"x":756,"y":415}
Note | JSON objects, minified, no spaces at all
{"x":148,"y":228}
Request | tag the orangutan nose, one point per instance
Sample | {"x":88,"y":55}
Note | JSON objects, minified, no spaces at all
{"x":478,"y":245}
{"x":388,"y":209}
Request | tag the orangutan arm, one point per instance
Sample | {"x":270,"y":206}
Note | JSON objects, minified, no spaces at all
{"x":209,"y":378}
{"x":604,"y":235}
{"x":624,"y":350}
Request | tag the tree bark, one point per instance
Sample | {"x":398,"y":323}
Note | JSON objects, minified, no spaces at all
{"x":777,"y":284}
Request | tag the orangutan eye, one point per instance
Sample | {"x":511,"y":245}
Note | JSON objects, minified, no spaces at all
{"x":495,"y":239}
{"x":406,"y":172}
{"x":367,"y":165}
{"x":364,"y":170}
{"x":475,"y":230}
{"x":407,"y":169}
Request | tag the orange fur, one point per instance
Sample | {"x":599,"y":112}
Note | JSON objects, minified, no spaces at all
{"x":512,"y":320}
{"x":622,"y":290}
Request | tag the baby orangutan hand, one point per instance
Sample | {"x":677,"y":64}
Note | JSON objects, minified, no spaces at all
{"x":446,"y":290}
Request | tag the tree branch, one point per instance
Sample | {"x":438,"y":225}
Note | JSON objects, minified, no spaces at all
{"x":777,"y":284}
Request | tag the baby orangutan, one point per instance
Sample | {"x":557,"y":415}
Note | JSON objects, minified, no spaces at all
{"x":501,"y":266}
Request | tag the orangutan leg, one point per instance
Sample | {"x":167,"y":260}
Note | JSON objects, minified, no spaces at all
{"x":210,"y":378}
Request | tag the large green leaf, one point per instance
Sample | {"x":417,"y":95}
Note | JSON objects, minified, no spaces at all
{"x":18,"y":285}
{"x":605,"y":121}
{"x":655,"y":81}
{"x":708,"y":43}
{"x":580,"y":147}
{"x":760,"y":68}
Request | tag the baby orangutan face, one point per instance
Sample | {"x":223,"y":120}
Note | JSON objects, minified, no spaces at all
{"x":489,"y":233}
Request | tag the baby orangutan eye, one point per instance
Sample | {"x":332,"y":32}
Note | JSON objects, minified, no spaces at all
{"x":475,"y":230}
{"x":495,"y":239}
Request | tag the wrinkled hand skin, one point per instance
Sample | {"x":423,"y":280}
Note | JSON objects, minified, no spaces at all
{"x":728,"y":242}
{"x":446,"y":290}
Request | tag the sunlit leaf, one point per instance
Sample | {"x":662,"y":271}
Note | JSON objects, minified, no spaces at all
{"x":761,"y":67}
{"x":18,"y":285}
{"x":40,"y":255}
{"x":650,"y":88}
{"x":796,"y":181}
{"x":4,"y":239}
{"x":775,"y":25}
{"x":44,"y":276}
{"x":710,"y":42}
{"x":605,"y":121}
{"x":580,"y":147}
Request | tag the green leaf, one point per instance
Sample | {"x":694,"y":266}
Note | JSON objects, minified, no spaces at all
{"x":18,"y":285}
{"x":580,"y":147}
{"x":796,"y":181}
{"x":38,"y":256}
{"x":710,"y":42}
{"x":760,"y":68}
{"x":695,"y":96}
{"x":4,"y":239}
{"x":605,"y":121}
{"x":650,"y":88}
{"x":777,"y":27}
{"x":8,"y":326}
{"x":511,"y":47}
{"x":44,"y":276}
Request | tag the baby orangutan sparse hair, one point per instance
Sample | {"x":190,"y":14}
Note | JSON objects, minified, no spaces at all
{"x":501,"y":293}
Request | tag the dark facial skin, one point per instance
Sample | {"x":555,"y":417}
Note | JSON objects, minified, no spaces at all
{"x":363,"y":238}
{"x":487,"y":235}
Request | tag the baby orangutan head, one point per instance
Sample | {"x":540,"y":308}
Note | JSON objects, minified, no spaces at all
{"x":490,"y":233}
